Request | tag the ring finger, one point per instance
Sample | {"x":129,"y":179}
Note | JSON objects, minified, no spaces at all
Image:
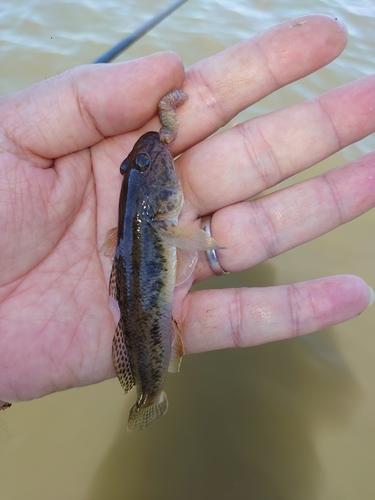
{"x":254,"y":231}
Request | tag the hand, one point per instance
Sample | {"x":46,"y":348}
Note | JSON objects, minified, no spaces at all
{"x":62,"y":142}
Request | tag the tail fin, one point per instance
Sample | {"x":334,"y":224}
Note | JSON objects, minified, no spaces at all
{"x":139,"y":418}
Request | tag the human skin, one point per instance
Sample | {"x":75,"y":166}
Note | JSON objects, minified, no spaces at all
{"x":61,"y":144}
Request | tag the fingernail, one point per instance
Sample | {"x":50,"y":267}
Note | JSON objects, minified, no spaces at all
{"x":345,"y":27}
{"x":372,"y":297}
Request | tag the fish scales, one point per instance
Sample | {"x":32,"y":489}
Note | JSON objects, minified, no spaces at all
{"x":146,"y":293}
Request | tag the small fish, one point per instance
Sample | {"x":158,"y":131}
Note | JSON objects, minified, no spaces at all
{"x":147,"y":342}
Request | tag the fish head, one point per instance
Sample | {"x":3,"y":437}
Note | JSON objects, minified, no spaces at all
{"x":150,"y":169}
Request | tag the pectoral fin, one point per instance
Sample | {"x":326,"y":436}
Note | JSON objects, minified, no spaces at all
{"x":186,"y":238}
{"x":110,"y":243}
{"x":188,"y":241}
{"x":186,"y":262}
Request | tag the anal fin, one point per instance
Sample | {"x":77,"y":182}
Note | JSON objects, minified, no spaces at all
{"x":177,"y":350}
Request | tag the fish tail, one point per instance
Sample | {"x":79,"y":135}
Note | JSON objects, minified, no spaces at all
{"x":140,"y":417}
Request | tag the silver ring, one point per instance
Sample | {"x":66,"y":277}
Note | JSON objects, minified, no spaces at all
{"x":211,"y":254}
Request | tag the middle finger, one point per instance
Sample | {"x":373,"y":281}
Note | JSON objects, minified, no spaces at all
{"x":239,"y":163}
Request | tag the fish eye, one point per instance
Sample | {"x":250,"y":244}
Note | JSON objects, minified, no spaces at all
{"x":124,"y":166}
{"x":142,"y":161}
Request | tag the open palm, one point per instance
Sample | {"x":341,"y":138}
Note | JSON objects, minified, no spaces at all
{"x":61,"y":144}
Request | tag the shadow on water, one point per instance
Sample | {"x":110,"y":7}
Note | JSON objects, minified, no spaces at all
{"x":241,"y":424}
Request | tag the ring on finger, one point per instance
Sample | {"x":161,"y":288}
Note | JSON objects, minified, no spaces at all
{"x":211,"y":254}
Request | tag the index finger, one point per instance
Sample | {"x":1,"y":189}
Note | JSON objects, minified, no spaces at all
{"x":78,"y":108}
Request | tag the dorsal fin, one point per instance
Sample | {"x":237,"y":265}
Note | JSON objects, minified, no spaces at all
{"x":121,"y":359}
